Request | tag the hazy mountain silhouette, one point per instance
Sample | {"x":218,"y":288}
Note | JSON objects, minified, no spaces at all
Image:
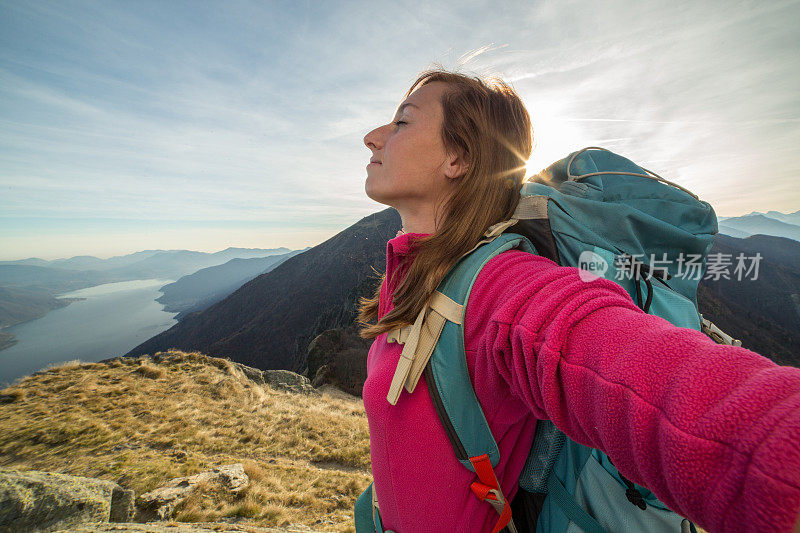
{"x":174,"y":264}
{"x":791,"y":218}
{"x":199,"y":290}
{"x":733,"y":232}
{"x":54,"y":280}
{"x":145,"y":264}
{"x":269,"y":321}
{"x":86,"y":262}
{"x":756,"y":223}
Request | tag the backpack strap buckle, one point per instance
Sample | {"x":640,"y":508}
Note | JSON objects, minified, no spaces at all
{"x":719,"y":336}
{"x":488,"y":490}
{"x":494,"y":231}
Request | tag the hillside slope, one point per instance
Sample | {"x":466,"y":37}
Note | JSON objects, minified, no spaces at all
{"x":764,"y":313}
{"x":142,"y":421}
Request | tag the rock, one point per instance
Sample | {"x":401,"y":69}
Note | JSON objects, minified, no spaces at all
{"x":278,"y":379}
{"x":339,"y":357}
{"x":45,"y":501}
{"x":290,"y":381}
{"x":253,"y":373}
{"x":322,"y":377}
{"x":159,"y":504}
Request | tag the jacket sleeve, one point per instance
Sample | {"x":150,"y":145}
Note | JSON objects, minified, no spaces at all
{"x":713,"y":430}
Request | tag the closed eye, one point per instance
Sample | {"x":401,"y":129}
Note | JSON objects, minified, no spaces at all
{"x":400,"y":122}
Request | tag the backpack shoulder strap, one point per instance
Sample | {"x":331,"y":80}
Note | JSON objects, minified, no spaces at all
{"x":434,"y":344}
{"x":447,"y":374}
{"x":449,"y":383}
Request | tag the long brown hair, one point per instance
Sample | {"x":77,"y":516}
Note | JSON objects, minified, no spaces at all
{"x":485,"y":120}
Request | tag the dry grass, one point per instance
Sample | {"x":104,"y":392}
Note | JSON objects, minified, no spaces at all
{"x":125,"y":421}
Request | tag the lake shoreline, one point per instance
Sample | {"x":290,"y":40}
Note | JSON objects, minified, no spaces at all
{"x":7,"y":340}
{"x":107,"y":320}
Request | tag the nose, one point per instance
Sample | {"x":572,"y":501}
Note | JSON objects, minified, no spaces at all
{"x":373,"y":139}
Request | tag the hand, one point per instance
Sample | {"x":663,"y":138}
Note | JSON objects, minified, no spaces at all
{"x":796,"y":526}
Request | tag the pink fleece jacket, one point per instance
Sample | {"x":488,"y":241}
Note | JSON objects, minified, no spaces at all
{"x":712,"y":430}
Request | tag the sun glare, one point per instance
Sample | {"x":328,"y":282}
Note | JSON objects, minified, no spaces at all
{"x":552,"y":140}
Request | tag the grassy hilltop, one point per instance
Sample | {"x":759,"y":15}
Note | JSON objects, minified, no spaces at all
{"x":143,"y":421}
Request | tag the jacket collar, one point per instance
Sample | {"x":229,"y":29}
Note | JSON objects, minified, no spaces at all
{"x":401,"y":244}
{"x":397,"y":249}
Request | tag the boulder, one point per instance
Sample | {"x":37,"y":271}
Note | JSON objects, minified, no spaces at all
{"x":289,"y":381}
{"x":339,"y":357}
{"x":278,"y":379}
{"x":254,"y":374}
{"x":159,"y":504}
{"x":46,"y":501}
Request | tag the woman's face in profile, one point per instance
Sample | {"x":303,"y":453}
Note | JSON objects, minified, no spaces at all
{"x":410,"y":169}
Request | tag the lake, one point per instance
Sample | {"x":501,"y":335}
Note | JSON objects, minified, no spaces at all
{"x":112,"y":320}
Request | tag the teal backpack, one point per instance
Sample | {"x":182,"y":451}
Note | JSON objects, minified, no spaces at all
{"x":600,"y":212}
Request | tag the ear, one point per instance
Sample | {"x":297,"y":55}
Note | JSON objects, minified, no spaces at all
{"x":456,"y":165}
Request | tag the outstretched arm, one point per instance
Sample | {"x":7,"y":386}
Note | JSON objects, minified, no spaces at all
{"x":712,"y":430}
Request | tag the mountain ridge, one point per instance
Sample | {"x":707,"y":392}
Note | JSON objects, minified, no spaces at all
{"x":29,"y":285}
{"x":266,"y":323}
{"x":270,"y":321}
{"x":203,"y":288}
{"x":761,"y":223}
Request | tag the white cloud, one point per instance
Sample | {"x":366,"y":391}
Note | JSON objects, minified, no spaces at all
{"x":252,"y":111}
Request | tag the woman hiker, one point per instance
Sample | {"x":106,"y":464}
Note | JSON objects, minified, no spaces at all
{"x":713,"y":430}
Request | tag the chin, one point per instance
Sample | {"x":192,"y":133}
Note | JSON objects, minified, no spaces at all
{"x":371,"y":189}
{"x":376,"y":196}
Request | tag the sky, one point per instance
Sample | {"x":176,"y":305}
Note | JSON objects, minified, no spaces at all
{"x":128,"y":126}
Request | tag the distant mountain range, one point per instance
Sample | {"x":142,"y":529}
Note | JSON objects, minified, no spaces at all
{"x":201,"y":289}
{"x":769,"y":223}
{"x":167,"y":264}
{"x":29,"y":287}
{"x":270,"y":321}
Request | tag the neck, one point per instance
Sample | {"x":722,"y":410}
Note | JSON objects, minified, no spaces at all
{"x":420,"y":221}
